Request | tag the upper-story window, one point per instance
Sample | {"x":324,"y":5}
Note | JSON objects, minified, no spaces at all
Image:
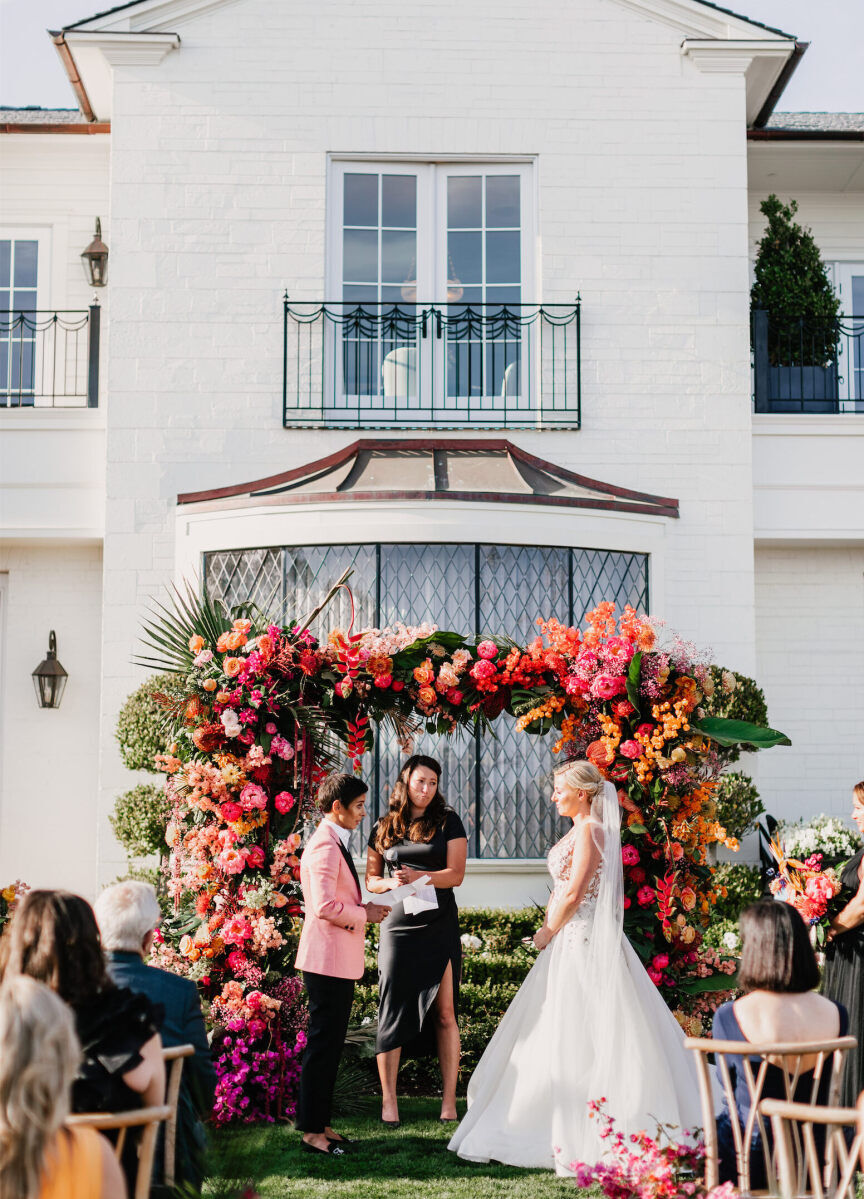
{"x":19,"y":279}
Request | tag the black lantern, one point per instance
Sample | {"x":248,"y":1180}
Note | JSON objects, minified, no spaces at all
{"x":95,"y":259}
{"x":49,"y":677}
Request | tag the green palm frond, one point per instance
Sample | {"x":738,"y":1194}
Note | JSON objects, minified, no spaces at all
{"x":169,"y":628}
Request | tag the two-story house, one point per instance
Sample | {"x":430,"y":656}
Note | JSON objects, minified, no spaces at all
{"x":457,"y":296}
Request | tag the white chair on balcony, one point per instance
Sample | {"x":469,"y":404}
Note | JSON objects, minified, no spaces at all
{"x":399,"y":373}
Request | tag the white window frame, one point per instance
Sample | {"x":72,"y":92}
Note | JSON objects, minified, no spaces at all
{"x":42,"y":235}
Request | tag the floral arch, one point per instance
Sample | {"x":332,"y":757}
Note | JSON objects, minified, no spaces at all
{"x":262,"y":712}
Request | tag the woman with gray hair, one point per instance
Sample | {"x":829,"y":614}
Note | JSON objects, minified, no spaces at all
{"x":39,"y":1158}
{"x":128,"y":914}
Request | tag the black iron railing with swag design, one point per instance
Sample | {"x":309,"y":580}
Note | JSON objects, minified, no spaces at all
{"x":49,"y":359}
{"x":377,"y":364}
{"x":807,"y":364}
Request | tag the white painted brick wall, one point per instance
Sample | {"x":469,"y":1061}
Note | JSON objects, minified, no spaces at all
{"x":810,"y":656}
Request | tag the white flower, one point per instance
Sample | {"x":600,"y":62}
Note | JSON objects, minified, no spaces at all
{"x":470,"y":942}
{"x":231,"y":723}
{"x":731,"y":940}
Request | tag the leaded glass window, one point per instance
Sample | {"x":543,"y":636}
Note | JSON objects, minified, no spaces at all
{"x":499,"y":785}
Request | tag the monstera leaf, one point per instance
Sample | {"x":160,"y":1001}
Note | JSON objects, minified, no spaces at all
{"x":739,"y":732}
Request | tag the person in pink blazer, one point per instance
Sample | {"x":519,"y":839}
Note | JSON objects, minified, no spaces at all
{"x":330,"y":953}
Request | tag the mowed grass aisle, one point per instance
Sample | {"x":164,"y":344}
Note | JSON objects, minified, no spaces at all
{"x":411,"y":1162}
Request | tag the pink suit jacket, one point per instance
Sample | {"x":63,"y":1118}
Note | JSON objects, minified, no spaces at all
{"x":335,"y":923}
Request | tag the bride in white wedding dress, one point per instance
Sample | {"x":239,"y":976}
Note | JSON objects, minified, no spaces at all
{"x":587,"y":1023}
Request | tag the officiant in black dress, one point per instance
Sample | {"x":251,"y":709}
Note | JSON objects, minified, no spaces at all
{"x":420,"y":953}
{"x":843,"y":978}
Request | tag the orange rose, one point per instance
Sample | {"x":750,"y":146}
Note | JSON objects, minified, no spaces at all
{"x":209,"y":684}
{"x":234,"y":640}
{"x":223,"y":696}
{"x":426,"y":696}
{"x":222,"y":643}
{"x":196,"y":643}
{"x":278,"y":900}
{"x":265,"y":645}
{"x":424,"y":673}
{"x":232,"y":667}
{"x":688,"y":899}
{"x":600,"y":754}
{"x":242,"y":626}
{"x":185,"y":945}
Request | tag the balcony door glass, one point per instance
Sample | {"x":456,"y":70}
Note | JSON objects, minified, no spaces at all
{"x":19,"y":267}
{"x":425,"y":259}
{"x":850,"y":281}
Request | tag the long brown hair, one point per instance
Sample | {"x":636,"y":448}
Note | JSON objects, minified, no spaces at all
{"x":53,"y":937}
{"x":397,"y":824}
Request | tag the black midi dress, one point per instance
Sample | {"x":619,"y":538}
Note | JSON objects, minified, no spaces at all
{"x":843,"y":981}
{"x":414,"y":950}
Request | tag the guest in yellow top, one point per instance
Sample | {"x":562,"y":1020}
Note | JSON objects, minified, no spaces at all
{"x":39,"y":1158}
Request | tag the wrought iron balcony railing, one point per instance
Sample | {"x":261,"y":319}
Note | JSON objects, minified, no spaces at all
{"x":807,"y":365}
{"x":375,"y":365}
{"x":49,"y":359}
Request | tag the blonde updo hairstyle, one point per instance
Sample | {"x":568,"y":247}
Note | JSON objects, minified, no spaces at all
{"x":581,"y":776}
{"x":39,"y":1060}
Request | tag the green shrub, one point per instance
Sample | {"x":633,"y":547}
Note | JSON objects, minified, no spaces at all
{"x":743,"y":886}
{"x":738,"y":804}
{"x":745,"y":701}
{"x":141,"y":730}
{"x":724,"y":935}
{"x":139,"y":820}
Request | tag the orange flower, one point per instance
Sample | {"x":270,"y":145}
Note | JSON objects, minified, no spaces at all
{"x":425,"y":673}
{"x":426,"y":696}
{"x":196,"y":643}
{"x":209,"y":684}
{"x":223,"y":696}
{"x":222,"y":642}
{"x":600,"y":753}
{"x":265,"y":645}
{"x":234,"y":640}
{"x":242,"y":626}
{"x":688,"y":899}
{"x":186,"y":943}
{"x":232,"y":667}
{"x":379,"y":664}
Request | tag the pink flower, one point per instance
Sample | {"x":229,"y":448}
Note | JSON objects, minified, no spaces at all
{"x":236,"y":930}
{"x":656,"y":976}
{"x":253,"y":796}
{"x":231,"y":812}
{"x":398,"y":684}
{"x":630,"y":749}
{"x":256,"y":1027}
{"x":255,"y":856}
{"x":645,"y":896}
{"x":645,"y":730}
{"x":383,"y":681}
{"x":487,"y":649}
{"x":605,"y":686}
{"x":236,"y":960}
{"x":270,"y":727}
{"x":231,"y":861}
{"x":617,"y":651}
{"x":284,"y":802}
{"x":282,"y":748}
{"x":483,"y":669}
{"x":660,"y":961}
{"x":629,"y":855}
{"x":587,"y":663}
{"x":203,"y":658}
{"x":344,"y":688}
{"x":247,"y":737}
{"x":454,"y":695}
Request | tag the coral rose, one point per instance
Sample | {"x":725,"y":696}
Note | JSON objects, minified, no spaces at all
{"x":265,"y":646}
{"x":186,"y":943}
{"x":487,"y":649}
{"x":484,"y":669}
{"x":427,"y":697}
{"x":209,"y":684}
{"x":235,"y":640}
{"x":424,"y":674}
{"x":242,"y":625}
{"x":254,"y":856}
{"x":232,"y":667}
{"x":600,"y":754}
{"x":688,"y":899}
{"x":284,"y":802}
{"x":232,"y":861}
{"x":196,"y":643}
{"x":222,"y":642}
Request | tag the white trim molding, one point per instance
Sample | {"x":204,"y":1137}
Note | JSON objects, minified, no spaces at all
{"x":127,"y":49}
{"x":759,"y":60}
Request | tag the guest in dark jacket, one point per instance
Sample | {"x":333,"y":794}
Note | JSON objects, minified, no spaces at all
{"x":128,"y":914}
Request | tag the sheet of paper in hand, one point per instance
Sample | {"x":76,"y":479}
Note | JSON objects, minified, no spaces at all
{"x":408,"y":893}
{"x":424,"y":899}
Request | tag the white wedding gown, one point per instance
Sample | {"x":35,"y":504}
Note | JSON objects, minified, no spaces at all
{"x":586,"y":1024}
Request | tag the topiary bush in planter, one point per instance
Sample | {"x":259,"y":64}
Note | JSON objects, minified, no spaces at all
{"x":140,"y":731}
{"x":738,"y":804}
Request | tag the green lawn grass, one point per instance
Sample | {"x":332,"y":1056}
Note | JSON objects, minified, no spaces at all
{"x":411,"y":1162}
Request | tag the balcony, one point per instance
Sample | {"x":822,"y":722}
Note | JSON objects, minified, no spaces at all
{"x":806,"y":365}
{"x":385,"y":365}
{"x":49,"y":359}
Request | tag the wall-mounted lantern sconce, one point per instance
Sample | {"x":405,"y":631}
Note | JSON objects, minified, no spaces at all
{"x":95,"y":259}
{"x":49,"y":677}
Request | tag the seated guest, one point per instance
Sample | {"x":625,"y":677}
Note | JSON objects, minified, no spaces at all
{"x":53,"y":937}
{"x":39,"y":1158}
{"x":128,"y":914}
{"x":778,"y":975}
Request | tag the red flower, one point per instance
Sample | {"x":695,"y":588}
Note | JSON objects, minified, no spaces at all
{"x":645,"y":896}
{"x":600,"y":754}
{"x":454,"y":695}
{"x":254,"y":856}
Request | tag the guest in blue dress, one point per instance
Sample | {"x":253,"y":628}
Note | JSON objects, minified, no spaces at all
{"x":778,"y":975}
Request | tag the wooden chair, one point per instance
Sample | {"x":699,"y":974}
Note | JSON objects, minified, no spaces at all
{"x":829,"y":1055}
{"x":146,"y":1118}
{"x":797,"y":1155}
{"x":173,"y":1057}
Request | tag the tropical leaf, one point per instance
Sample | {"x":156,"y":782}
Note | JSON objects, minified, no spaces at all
{"x":739,"y":732}
{"x":449,"y":641}
{"x":633,"y":675}
{"x":716,"y":982}
{"x":170,"y":626}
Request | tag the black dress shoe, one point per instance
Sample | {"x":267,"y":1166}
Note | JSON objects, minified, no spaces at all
{"x":341,"y":1140}
{"x":332,"y":1150}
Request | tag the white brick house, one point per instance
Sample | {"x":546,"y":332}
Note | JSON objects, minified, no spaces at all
{"x":432,"y":157}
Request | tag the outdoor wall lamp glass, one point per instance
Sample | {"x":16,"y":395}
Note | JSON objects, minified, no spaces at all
{"x":95,"y":259}
{"x":49,"y":677}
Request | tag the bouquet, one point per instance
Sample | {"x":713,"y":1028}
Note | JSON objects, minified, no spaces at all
{"x":809,"y":888}
{"x":825,"y":835}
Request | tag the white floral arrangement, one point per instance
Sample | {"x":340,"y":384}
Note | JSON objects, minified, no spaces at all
{"x":827,"y":835}
{"x":471,"y":942}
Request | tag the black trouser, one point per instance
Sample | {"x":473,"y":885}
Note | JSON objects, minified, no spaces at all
{"x":329,"y":1009}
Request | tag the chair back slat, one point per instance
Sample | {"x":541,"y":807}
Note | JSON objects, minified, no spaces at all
{"x":173,"y":1056}
{"x":147,"y":1119}
{"x":808,"y":1177}
{"x":789,"y":1057}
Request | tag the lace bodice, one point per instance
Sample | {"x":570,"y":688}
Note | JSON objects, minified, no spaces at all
{"x":559,"y":861}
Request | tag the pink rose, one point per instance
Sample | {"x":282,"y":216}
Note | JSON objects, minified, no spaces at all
{"x":270,"y":728}
{"x":282,"y":748}
{"x":645,"y":896}
{"x":656,"y":976}
{"x":660,"y":961}
{"x":629,"y":855}
{"x":253,"y":796}
{"x":630,"y":749}
{"x":236,"y":959}
{"x":284,"y":802}
{"x":484,"y":669}
{"x":231,"y":812}
{"x":617,"y":651}
{"x":454,"y":695}
{"x":236,"y":930}
{"x":255,"y":856}
{"x":605,"y":686}
{"x":487,"y":649}
{"x":232,"y":861}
